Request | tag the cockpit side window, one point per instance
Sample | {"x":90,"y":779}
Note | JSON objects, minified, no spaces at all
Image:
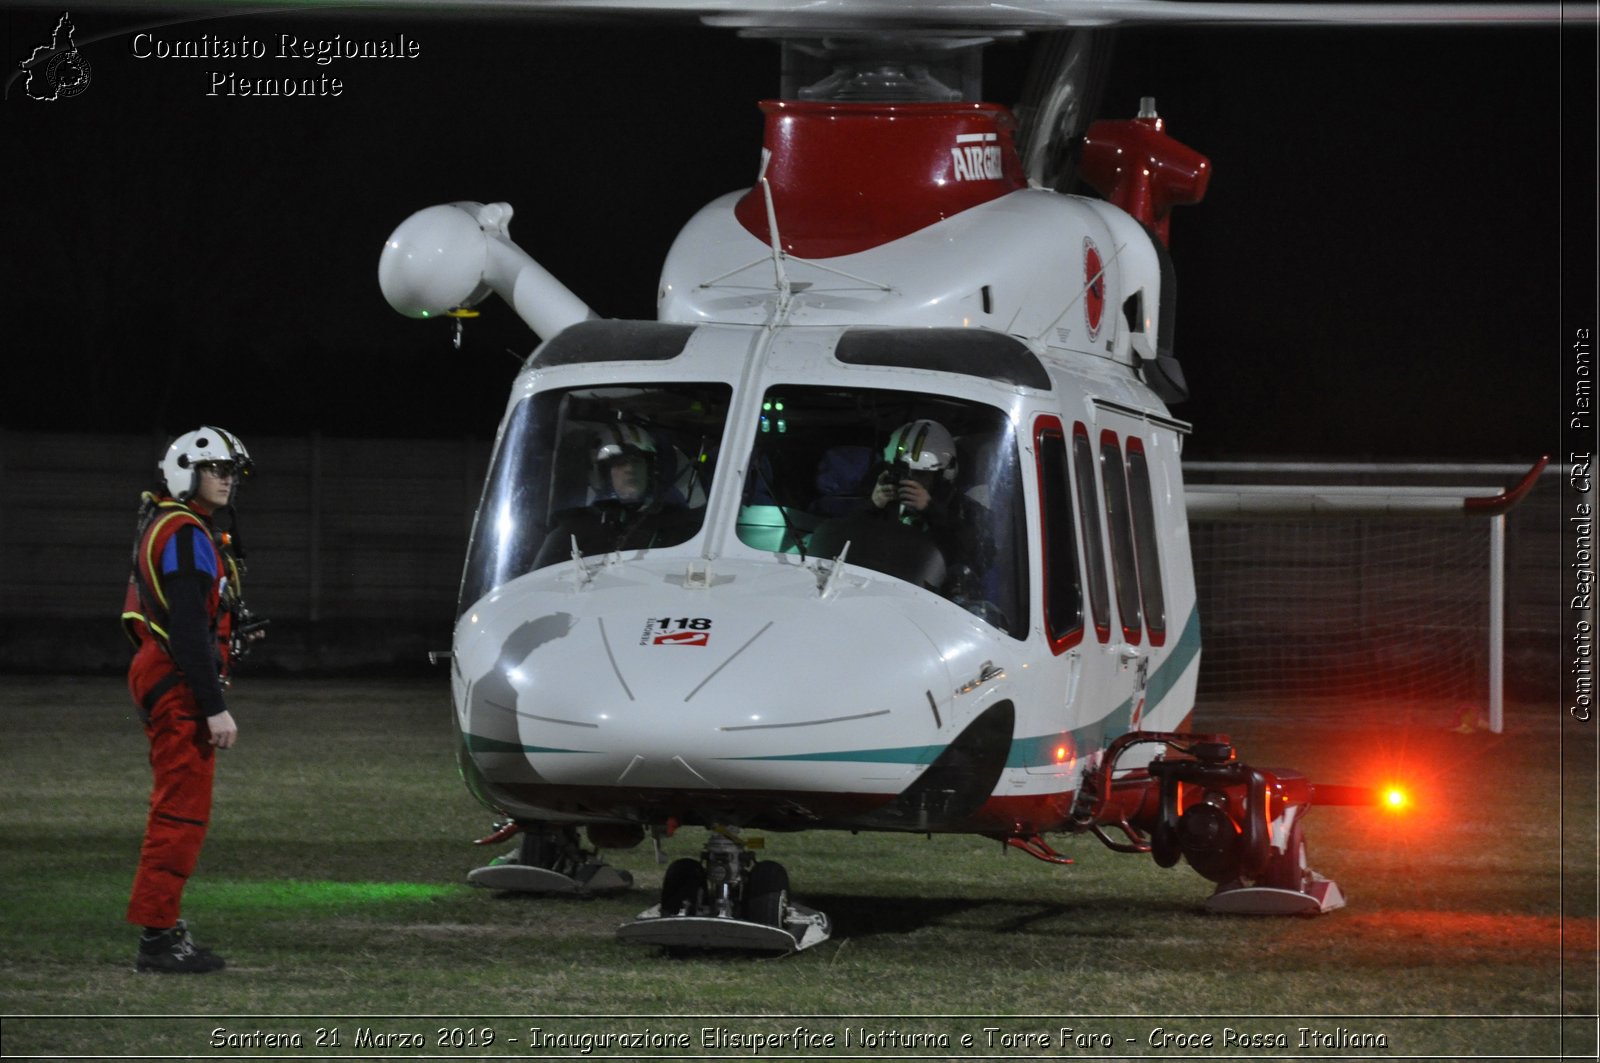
{"x":921,"y":487}
{"x":610,"y":468}
{"x":1063,"y":585}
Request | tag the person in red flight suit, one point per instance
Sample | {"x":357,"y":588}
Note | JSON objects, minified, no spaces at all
{"x":181,"y":609}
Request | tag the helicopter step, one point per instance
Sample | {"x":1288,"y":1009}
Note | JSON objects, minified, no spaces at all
{"x":521,"y":878}
{"x":802,"y":928}
{"x":1318,"y":896}
{"x":547,"y":860}
{"x":727,"y":900}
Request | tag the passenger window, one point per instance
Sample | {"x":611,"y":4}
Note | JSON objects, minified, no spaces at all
{"x":1063,"y":586}
{"x":1142,"y":497}
{"x":1089,"y":516}
{"x":1124,"y":567}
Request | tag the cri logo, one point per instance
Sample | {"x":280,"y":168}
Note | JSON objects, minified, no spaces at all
{"x":1094,"y":287}
{"x":684,"y":638}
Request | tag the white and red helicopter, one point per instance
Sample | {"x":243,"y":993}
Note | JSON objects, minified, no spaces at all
{"x":682,"y":605}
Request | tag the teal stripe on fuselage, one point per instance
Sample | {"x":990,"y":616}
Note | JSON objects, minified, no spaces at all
{"x":899,"y":755}
{"x":480,"y":744}
{"x":1162,"y":680}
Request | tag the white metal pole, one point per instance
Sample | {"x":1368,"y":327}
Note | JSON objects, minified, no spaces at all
{"x":1497,"y":622}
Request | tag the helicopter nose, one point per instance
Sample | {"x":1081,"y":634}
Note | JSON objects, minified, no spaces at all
{"x":748,"y":696}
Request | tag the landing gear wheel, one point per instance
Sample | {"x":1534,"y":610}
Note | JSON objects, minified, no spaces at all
{"x":681,"y":887}
{"x":766,"y":894}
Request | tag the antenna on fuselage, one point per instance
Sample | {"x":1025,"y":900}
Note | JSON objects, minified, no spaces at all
{"x":777,"y":244}
{"x":826,"y":585}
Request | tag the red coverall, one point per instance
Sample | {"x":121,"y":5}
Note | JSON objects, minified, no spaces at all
{"x":177,"y":609}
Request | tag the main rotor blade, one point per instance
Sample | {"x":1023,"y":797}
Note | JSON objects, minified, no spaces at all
{"x":1062,"y":91}
{"x":963,"y":14}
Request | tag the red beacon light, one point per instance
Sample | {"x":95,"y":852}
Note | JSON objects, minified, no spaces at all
{"x":1394,"y":799}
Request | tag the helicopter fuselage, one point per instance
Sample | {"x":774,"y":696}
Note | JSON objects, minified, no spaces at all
{"x":772,"y":652}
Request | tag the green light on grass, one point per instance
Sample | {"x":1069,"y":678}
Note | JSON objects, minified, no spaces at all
{"x":293,"y":893}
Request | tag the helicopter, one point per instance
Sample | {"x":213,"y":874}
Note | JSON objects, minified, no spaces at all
{"x":880,"y":525}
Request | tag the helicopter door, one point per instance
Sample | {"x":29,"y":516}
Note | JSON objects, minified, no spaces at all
{"x":1125,"y":469}
{"x":1137,"y":581}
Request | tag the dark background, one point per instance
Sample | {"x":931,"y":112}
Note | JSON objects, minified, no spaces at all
{"x":1399,"y":238}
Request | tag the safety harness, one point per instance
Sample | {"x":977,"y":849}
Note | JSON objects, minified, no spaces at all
{"x":145,"y":610}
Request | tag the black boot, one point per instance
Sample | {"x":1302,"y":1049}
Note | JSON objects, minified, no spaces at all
{"x":173,"y":951}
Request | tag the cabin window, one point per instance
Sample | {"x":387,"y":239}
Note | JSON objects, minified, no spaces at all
{"x":1142,"y":497}
{"x":1093,"y":541}
{"x":610,"y":468}
{"x":1063,"y":586}
{"x":1124,"y":566}
{"x":820,"y":452}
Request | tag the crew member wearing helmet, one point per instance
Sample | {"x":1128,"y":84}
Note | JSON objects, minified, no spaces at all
{"x":920,"y":460}
{"x":179,"y":610}
{"x":626,"y":468}
{"x":637,"y":499}
{"x":907,"y":528}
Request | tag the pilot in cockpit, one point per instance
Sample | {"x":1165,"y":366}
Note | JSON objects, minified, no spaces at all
{"x":625,"y":466}
{"x":638,"y":497}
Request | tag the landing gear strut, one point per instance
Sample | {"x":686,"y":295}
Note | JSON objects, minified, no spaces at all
{"x":548,"y":859}
{"x":727,"y":900}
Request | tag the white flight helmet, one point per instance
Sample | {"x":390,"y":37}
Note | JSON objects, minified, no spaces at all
{"x":619,"y":440}
{"x":204,"y":444}
{"x":615,"y":442}
{"x":925,"y":446}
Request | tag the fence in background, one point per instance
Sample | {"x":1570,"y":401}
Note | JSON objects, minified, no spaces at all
{"x":361,"y":539}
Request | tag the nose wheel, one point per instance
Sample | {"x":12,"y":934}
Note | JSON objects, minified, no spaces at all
{"x":727,"y":900}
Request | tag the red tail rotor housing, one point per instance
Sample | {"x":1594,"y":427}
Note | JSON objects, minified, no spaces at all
{"x":1135,"y":165}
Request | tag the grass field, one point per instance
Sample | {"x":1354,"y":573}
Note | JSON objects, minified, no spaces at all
{"x":333,"y":881}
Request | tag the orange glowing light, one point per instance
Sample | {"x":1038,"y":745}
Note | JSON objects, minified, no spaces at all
{"x":1395,"y":799}
{"x":1061,"y":754}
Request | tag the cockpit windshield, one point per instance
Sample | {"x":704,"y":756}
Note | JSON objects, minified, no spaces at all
{"x":921,"y":487}
{"x":612,"y":468}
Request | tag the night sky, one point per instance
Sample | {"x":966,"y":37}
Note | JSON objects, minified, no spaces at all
{"x":1399,"y":234}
